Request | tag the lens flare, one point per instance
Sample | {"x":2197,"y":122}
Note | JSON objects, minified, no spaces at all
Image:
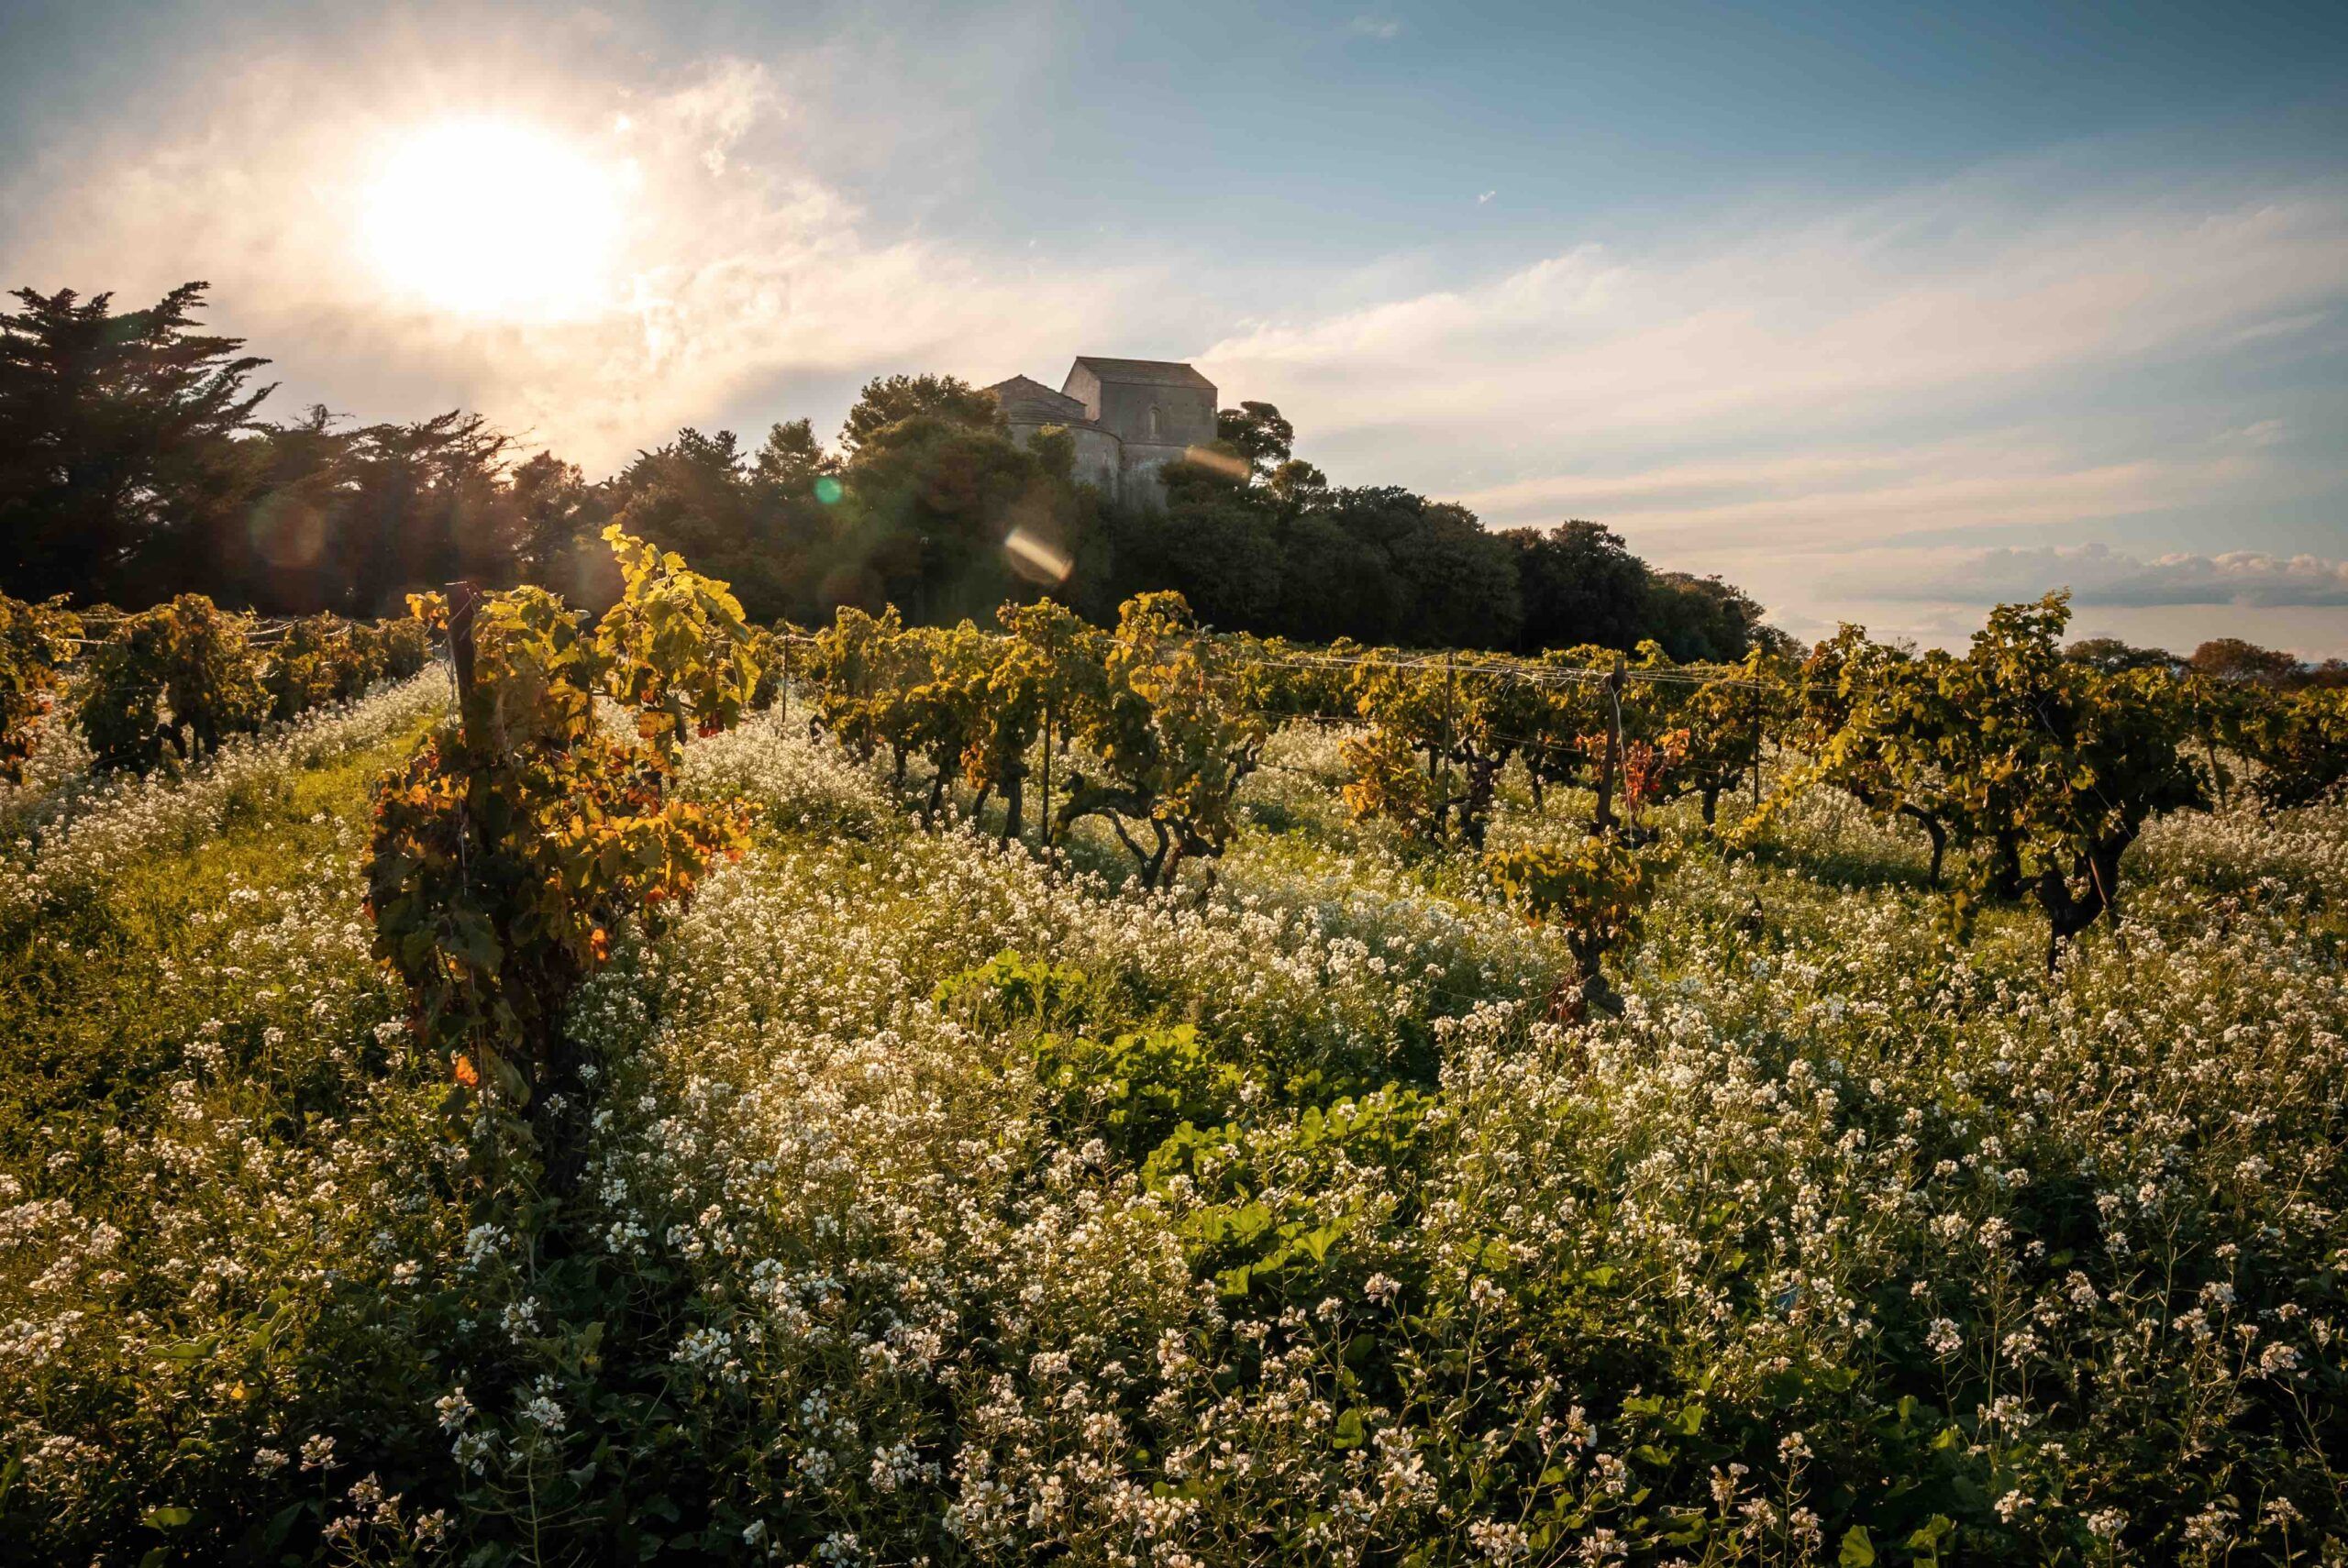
{"x":1036,"y":558}
{"x":1224,"y":463}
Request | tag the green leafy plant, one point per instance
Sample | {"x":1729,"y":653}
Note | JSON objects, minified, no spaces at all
{"x":35,"y":641}
{"x":2300,"y":741}
{"x":2059,"y":764}
{"x":404,"y":644}
{"x":1151,"y":702}
{"x":168,"y":684}
{"x":1595,"y":891}
{"x":522,"y":832}
{"x":1134,"y":1090}
{"x":1463,"y":717}
{"x":320,"y":659}
{"x":1265,"y":1209}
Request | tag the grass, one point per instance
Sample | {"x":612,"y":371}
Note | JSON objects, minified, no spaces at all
{"x":83,"y":1038}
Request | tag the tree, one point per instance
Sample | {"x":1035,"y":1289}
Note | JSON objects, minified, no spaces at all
{"x":891,"y":399}
{"x":550,"y":512}
{"x":2233,"y":660}
{"x":1578,"y":584}
{"x":1258,"y":435}
{"x":2111,"y":656}
{"x":1698,"y":619}
{"x":929,"y":502}
{"x":424,"y":504}
{"x":789,"y":460}
{"x":116,"y":439}
{"x":1217,"y":544}
{"x":1331,"y":586}
{"x":1298,"y":484}
{"x":702,"y":496}
{"x":1447,"y":581}
{"x":1464,"y":587}
{"x":689,"y":494}
{"x":350,"y":519}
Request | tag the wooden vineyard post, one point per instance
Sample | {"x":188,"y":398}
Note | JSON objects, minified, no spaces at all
{"x":1050,"y":668}
{"x":1757,"y":738}
{"x":464,"y":600}
{"x":1450,"y":703}
{"x":1613,"y":758}
{"x":463,"y":604}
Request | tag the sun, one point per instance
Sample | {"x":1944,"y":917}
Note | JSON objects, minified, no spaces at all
{"x":494,"y":218}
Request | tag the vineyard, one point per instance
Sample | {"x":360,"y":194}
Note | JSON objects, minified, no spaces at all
{"x":508,"y":1085}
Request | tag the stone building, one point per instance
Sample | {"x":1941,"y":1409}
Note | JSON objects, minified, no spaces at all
{"x":1128,"y":417}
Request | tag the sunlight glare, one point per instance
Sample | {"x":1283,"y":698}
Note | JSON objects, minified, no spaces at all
{"x":494,"y":219}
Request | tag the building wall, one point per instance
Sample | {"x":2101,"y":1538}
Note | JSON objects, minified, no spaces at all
{"x":1100,"y":460}
{"x":1184,"y":416}
{"x":1141,"y":486}
{"x":1100,"y":457}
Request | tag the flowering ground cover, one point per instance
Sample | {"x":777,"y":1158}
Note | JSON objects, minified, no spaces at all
{"x":943,"y":1205}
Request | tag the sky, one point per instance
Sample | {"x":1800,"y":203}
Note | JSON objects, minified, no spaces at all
{"x":1884,"y":313}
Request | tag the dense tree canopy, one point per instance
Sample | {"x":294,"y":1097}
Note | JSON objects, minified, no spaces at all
{"x":134,"y":466}
{"x":1580,"y":585}
{"x":2111,"y":656}
{"x":2228,"y":662}
{"x":891,"y":399}
{"x":115,"y":439}
{"x":1257,"y":434}
{"x":2232,"y":658}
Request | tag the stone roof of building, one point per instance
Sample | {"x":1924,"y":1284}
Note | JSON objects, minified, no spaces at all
{"x":1145,"y":373}
{"x":1024,"y":399}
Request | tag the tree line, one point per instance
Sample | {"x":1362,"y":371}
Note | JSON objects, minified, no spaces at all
{"x":135,"y":466}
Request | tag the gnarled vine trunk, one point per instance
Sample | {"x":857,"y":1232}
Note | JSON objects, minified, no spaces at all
{"x":1936,"y":830}
{"x":2005,"y":865}
{"x":2069,"y":910}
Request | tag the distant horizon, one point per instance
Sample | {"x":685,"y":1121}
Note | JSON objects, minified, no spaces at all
{"x":1882,"y":321}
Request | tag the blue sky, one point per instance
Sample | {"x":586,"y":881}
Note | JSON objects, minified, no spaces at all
{"x":1884,"y":312}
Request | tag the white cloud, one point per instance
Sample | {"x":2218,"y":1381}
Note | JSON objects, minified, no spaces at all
{"x":738,"y":271}
{"x":1385,"y":30}
{"x":1771,"y":400}
{"x":1854,"y":497}
{"x":1973,"y":286}
{"x":2099,"y":575}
